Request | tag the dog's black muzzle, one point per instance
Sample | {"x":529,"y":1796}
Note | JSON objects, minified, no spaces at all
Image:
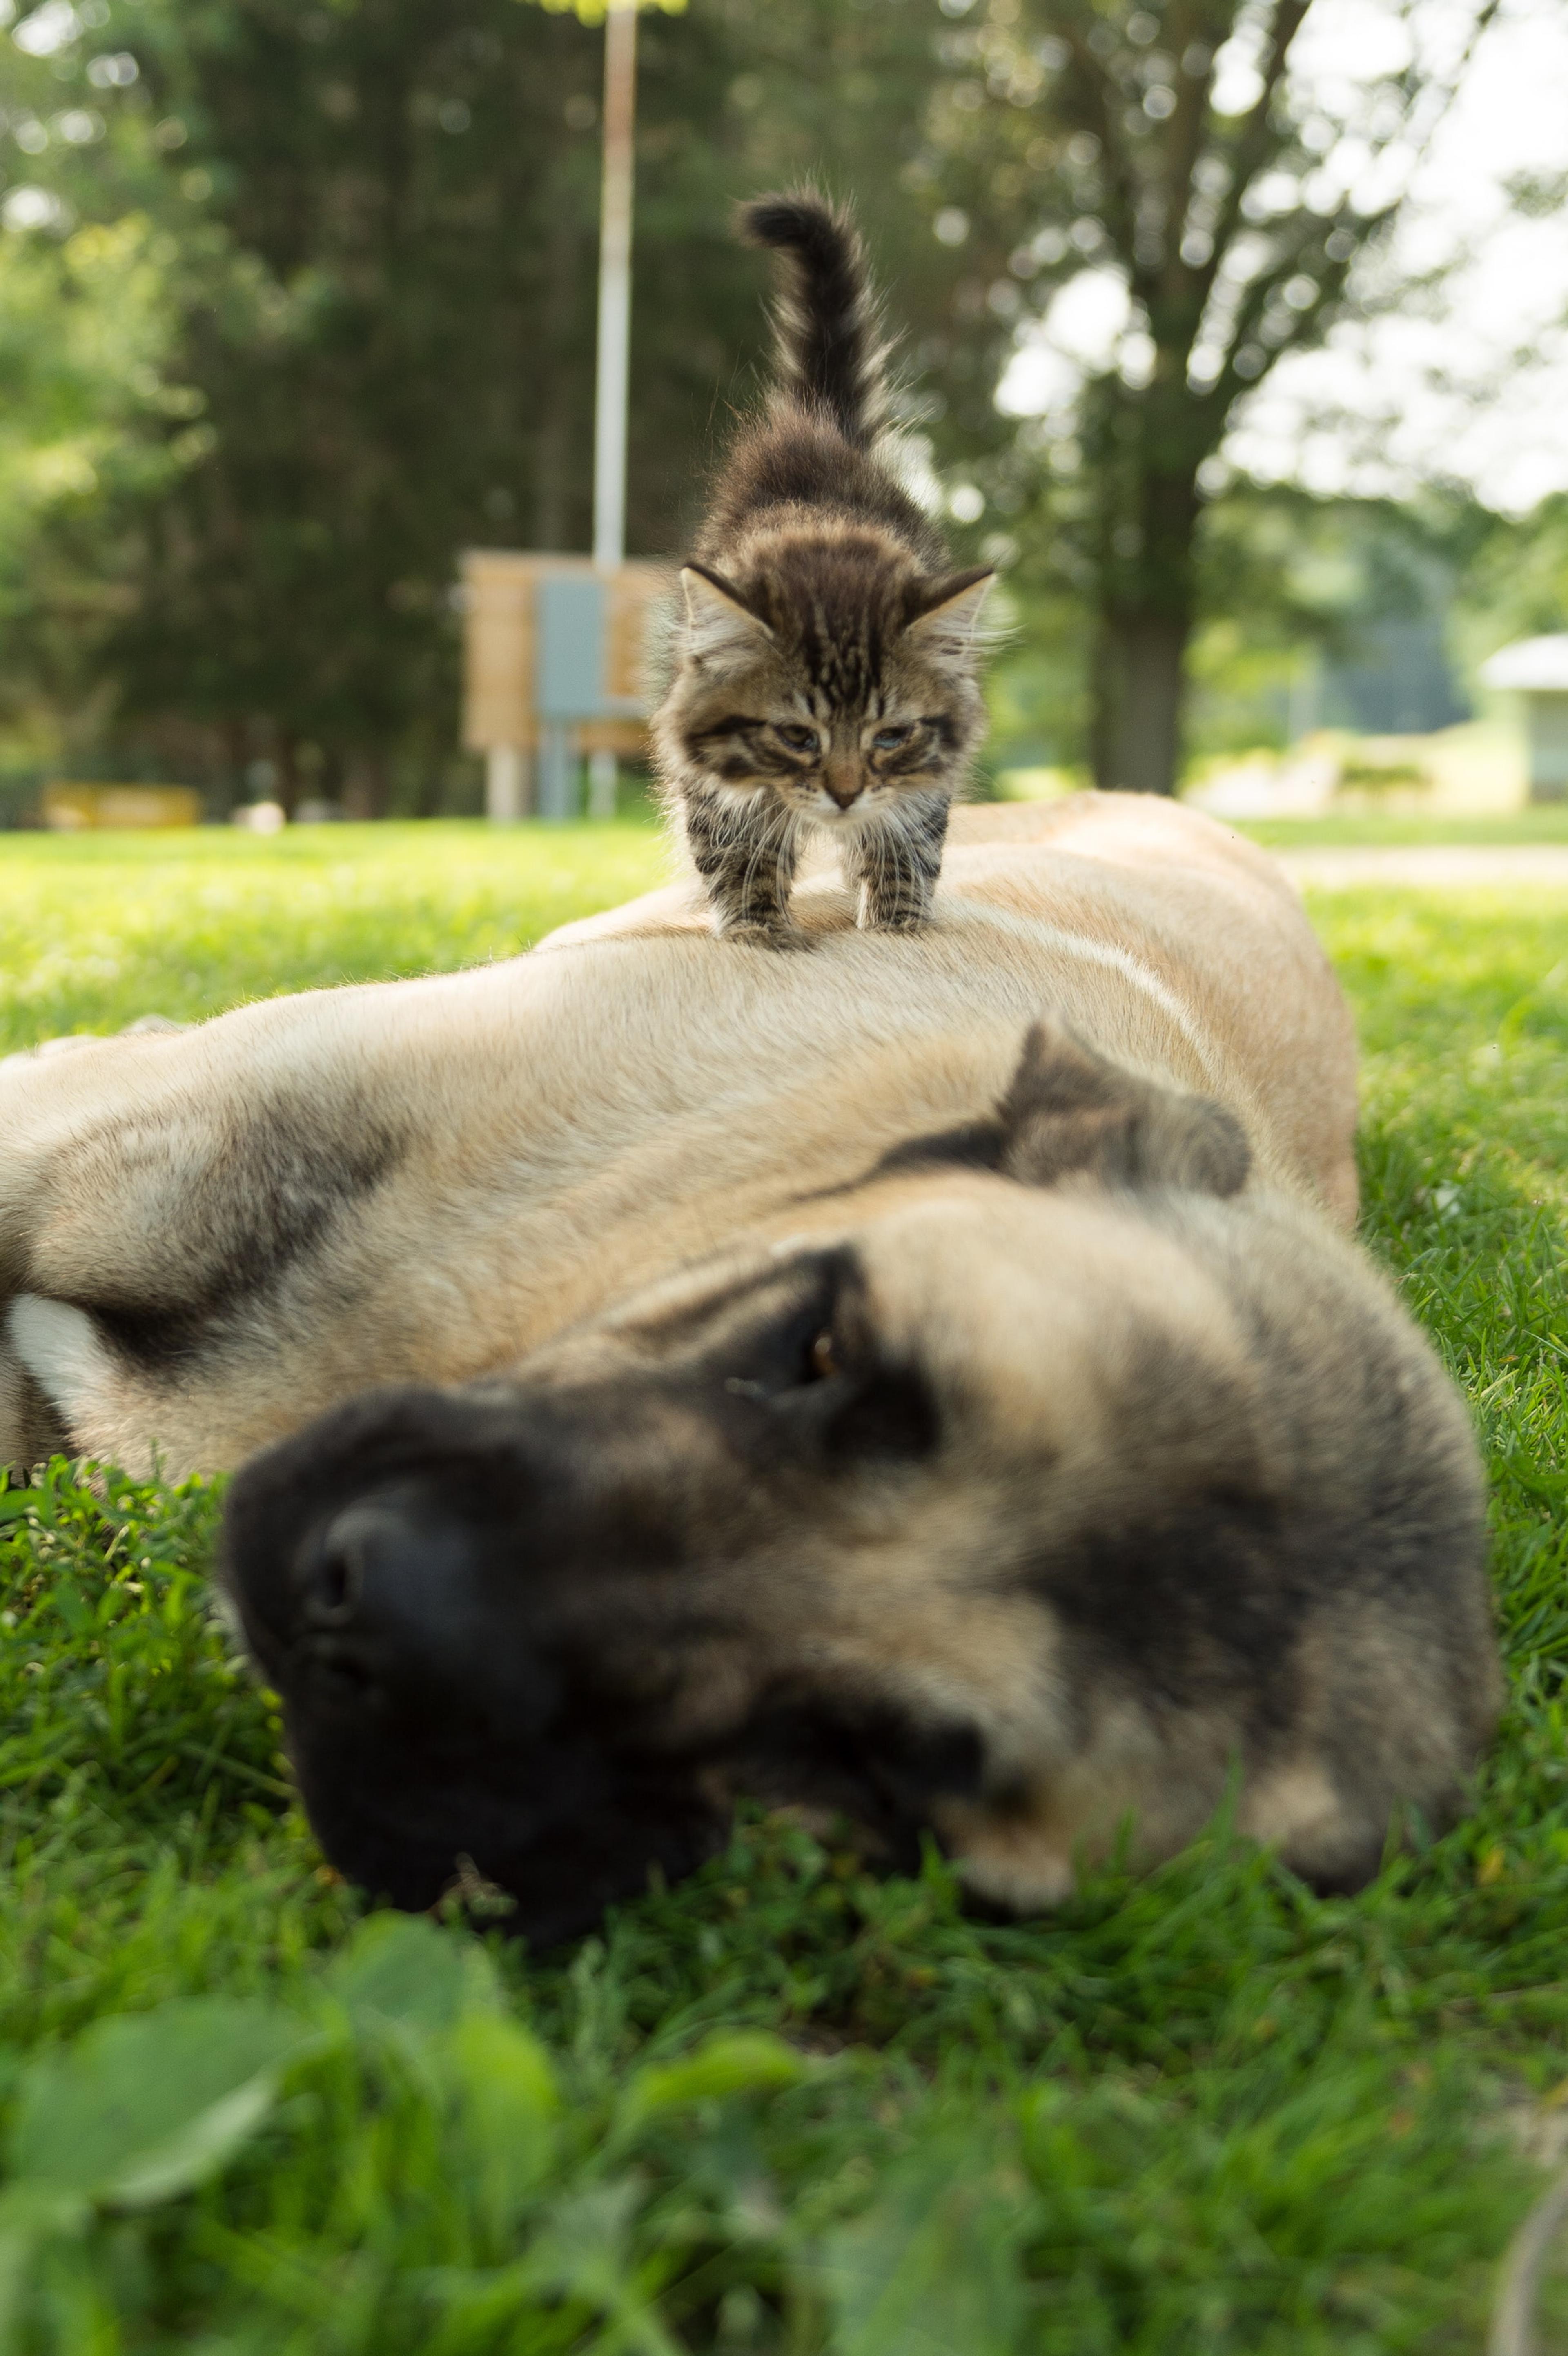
{"x":416,"y":1576}
{"x":504,"y":1645}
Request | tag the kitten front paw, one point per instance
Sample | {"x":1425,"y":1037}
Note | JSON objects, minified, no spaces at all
{"x":892,"y":920}
{"x":782,"y":933}
{"x":896,"y":902}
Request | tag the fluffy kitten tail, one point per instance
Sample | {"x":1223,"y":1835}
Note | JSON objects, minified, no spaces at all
{"x":829,"y":353}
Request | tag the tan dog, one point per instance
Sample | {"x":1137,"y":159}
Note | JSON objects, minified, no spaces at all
{"x":919,"y":1381}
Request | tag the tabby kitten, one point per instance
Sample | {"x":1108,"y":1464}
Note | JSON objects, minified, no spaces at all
{"x":825,"y":668}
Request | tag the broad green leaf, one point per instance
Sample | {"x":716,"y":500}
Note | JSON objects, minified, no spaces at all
{"x":196,"y":2151}
{"x":403,"y":1969}
{"x":26,"y":2223}
{"x":736,"y":2062}
{"x":507,"y":2112}
{"x":931,"y":2268}
{"x":583,"y":2251}
{"x":143,"y":2108}
{"x":28,"y":2211}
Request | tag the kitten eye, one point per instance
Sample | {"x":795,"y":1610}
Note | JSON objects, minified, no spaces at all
{"x":823,"y":1359}
{"x":800,"y":740}
{"x":887,"y":739}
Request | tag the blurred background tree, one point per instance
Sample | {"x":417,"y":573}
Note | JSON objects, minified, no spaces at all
{"x":1160,"y":163}
{"x":297,"y":301}
{"x":376,"y":223}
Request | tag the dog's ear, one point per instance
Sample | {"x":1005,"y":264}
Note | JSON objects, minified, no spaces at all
{"x":1070,"y":1111}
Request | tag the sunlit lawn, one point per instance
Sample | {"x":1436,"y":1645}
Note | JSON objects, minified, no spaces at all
{"x":1545,"y":822}
{"x":784,"y":2107}
{"x":97,"y":928}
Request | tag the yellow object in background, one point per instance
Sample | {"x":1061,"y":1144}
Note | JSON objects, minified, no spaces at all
{"x":69,"y":810}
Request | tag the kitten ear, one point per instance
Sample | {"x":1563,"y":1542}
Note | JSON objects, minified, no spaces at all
{"x":948,"y":613}
{"x":720,"y":625}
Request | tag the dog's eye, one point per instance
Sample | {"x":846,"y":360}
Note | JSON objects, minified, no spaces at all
{"x":823,"y":1359}
{"x":800,"y":740}
{"x":887,"y":740}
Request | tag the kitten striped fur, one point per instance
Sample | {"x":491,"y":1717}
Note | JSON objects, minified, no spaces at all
{"x":825,"y":676}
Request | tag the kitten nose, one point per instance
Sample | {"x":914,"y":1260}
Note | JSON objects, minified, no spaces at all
{"x":843,"y":782}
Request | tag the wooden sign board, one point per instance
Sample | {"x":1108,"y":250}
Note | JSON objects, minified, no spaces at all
{"x":500,"y":647}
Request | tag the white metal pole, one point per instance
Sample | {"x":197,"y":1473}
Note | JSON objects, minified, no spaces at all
{"x":601,"y":784}
{"x":615,"y":330}
{"x":615,"y":287}
{"x":506,"y":783}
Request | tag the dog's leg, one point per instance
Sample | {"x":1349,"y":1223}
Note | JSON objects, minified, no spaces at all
{"x":62,"y":1351}
{"x":31,"y":1427}
{"x":155,"y":1191}
{"x":208,"y":1236}
{"x":15,"y":1408}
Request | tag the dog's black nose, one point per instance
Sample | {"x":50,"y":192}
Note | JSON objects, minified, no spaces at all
{"x":389,"y":1597}
{"x":368,"y":1568}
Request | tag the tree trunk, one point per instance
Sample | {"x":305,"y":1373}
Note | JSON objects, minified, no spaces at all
{"x":286,"y":791}
{"x":366,"y":785}
{"x":1139,"y":685}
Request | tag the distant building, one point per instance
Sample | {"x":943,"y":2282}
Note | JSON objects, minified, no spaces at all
{"x":1399,"y":684}
{"x":1537,"y":671}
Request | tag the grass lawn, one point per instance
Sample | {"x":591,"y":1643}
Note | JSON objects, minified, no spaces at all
{"x":1547,"y":822}
{"x":784,"y":2107}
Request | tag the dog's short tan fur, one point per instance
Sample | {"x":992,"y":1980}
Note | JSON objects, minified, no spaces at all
{"x":1145,"y":1341}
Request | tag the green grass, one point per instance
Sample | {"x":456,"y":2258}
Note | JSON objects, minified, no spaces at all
{"x":1546,"y":823}
{"x":95,"y":929}
{"x":784,"y":2107}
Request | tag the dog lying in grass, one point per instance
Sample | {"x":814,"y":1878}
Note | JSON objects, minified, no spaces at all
{"x":925,"y":1383}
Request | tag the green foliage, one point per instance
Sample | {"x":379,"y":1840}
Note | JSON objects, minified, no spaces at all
{"x":784,"y":2107}
{"x":115,"y":1695}
{"x":84,"y":326}
{"x":95,"y":427}
{"x":1037,"y":686}
{"x":1516,"y":587}
{"x":593,"y":12}
{"x":330,"y":320}
{"x":1286,"y":582}
{"x":91,"y":427}
{"x":1168,"y":148}
{"x":143,"y":2108}
{"x":376,"y":225}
